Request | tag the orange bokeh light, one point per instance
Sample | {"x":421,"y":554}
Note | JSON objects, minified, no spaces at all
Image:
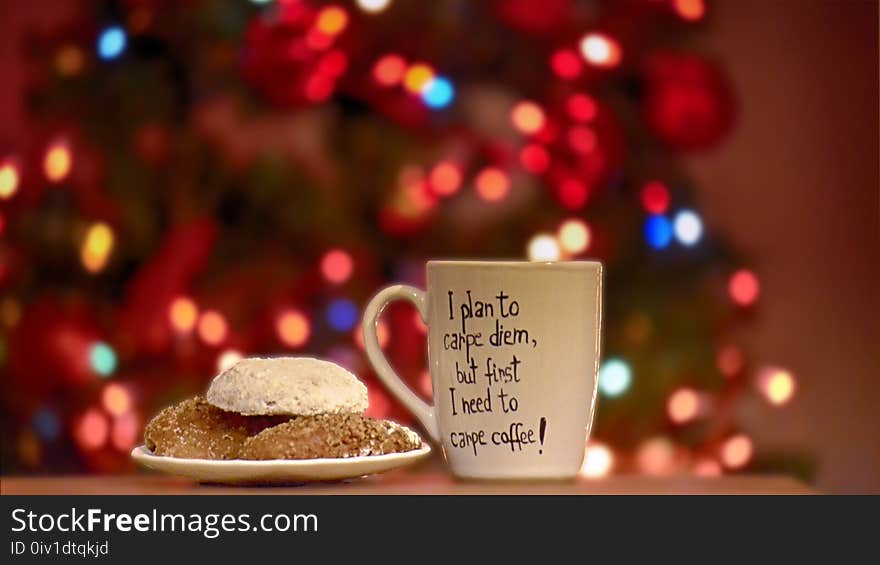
{"x":737,"y":451}
{"x":183,"y":314}
{"x":445,"y":178}
{"x":690,"y":10}
{"x":116,"y":399}
{"x":683,"y":406}
{"x":212,"y":327}
{"x":389,"y":70}
{"x":416,"y":77}
{"x":492,"y":184}
{"x":574,"y":236}
{"x":58,"y":161}
{"x":777,"y":385}
{"x":293,"y":328}
{"x":9,"y":179}
{"x":527,"y":117}
{"x":331,"y":20}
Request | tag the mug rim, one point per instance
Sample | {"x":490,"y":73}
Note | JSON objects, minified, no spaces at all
{"x":523,"y":264}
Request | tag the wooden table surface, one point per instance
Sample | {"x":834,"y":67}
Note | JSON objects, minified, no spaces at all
{"x":409,"y":482}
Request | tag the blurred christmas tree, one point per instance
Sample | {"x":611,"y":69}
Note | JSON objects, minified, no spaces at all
{"x":210,"y":179}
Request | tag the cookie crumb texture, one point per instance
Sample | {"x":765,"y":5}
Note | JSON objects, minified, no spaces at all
{"x":198,"y":430}
{"x":330,"y":435}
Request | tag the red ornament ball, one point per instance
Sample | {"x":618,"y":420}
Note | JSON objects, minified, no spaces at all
{"x":688,"y":101}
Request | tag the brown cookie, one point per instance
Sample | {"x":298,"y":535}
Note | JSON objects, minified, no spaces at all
{"x":198,"y":430}
{"x":329,"y":435}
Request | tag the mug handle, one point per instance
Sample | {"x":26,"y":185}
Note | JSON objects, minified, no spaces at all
{"x":421,"y":409}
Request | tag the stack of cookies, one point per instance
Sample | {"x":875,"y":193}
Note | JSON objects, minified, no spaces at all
{"x":277,"y":408}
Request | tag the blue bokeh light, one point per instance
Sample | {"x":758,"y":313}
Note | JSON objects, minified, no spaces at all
{"x":342,"y":314}
{"x":47,"y":424}
{"x":102,"y":358}
{"x":658,"y":231}
{"x":615,"y":377}
{"x":111,"y":42}
{"x":438,"y":93}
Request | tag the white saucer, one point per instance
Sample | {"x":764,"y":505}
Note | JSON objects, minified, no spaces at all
{"x":277,"y":470}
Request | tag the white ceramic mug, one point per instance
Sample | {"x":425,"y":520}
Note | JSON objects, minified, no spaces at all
{"x":513,"y":351}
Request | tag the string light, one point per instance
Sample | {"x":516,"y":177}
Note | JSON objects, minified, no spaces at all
{"x":333,"y":63}
{"x":527,"y":117}
{"x":492,"y":184}
{"x":690,"y":10}
{"x":69,"y":60}
{"x":342,"y":314}
{"x":318,"y":88}
{"x":96,"y":247}
{"x":389,"y":70}
{"x":566,"y":64}
{"x":534,"y":158}
{"x":737,"y":451}
{"x":47,"y":424}
{"x":416,"y":77}
{"x":615,"y":377}
{"x":730,"y":361}
{"x":183,"y":314}
{"x":58,"y":161}
{"x":293,"y":328}
{"x":373,"y":6}
{"x":92,"y":430}
{"x":707,"y":467}
{"x":688,"y":227}
{"x":582,"y":139}
{"x":9,"y":179}
{"x":572,"y":194}
{"x":227,"y":359}
{"x":543,"y":247}
{"x":445,"y":178}
{"x":744,"y":288}
{"x":111,"y":42}
{"x":581,"y":107}
{"x":102,"y":359}
{"x":212,"y":327}
{"x":683,"y":406}
{"x":655,"y":197}
{"x":600,"y":50}
{"x":438,"y":93}
{"x":116,"y":399}
{"x":125,"y":432}
{"x":658,"y":231}
{"x":776,"y":385}
{"x":656,"y":456}
{"x":573,"y":236}
{"x":337,"y":266}
{"x":331,"y":20}
{"x":598,"y":460}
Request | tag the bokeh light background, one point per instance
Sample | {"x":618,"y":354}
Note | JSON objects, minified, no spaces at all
{"x":185,"y":185}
